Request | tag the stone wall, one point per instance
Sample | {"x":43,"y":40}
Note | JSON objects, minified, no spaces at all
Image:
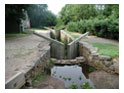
{"x":93,"y":58}
{"x":38,"y":67}
{"x":31,"y":71}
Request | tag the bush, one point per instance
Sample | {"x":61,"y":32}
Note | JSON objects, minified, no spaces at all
{"x":72,"y":26}
{"x":82,"y":26}
{"x":107,"y":28}
{"x":86,"y":85}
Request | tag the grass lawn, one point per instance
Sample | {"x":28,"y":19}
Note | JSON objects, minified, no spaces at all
{"x":37,"y":29}
{"x":39,"y":78}
{"x":15,"y":35}
{"x":72,"y":34}
{"x":107,"y":49}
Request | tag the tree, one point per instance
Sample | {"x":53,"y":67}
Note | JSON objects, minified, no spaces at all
{"x":77,"y":12}
{"x":40,"y":16}
{"x":14,"y":13}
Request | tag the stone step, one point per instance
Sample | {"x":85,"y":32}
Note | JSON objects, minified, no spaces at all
{"x":77,"y":60}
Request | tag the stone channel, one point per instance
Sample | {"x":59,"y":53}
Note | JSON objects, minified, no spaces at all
{"x":67,"y":58}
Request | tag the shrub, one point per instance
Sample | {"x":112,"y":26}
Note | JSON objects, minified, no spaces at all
{"x":107,"y":27}
{"x":86,"y":85}
{"x":74,"y":86}
{"x":72,"y":26}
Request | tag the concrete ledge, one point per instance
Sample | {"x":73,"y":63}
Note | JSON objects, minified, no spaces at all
{"x":49,"y":39}
{"x":34,"y":68}
{"x":17,"y":81}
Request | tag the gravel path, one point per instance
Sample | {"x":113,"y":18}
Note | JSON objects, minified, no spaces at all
{"x":20,"y":51}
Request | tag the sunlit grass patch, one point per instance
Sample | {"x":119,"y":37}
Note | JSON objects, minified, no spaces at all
{"x":38,"y":78}
{"x":72,"y":34}
{"x":15,"y":35}
{"x":107,"y":49}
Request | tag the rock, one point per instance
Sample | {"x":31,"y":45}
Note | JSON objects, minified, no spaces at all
{"x":54,"y":60}
{"x":107,"y":63}
{"x":29,"y":83}
{"x":116,"y":67}
{"x":80,"y":59}
{"x":73,"y":61}
{"x":51,"y":83}
{"x":111,"y":67}
{"x":115,"y":61}
{"x":102,"y":58}
{"x":104,"y":80}
{"x":64,"y":62}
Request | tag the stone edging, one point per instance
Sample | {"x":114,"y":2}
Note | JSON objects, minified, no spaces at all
{"x":93,"y":58}
{"x":34,"y":69}
{"x":77,"y":60}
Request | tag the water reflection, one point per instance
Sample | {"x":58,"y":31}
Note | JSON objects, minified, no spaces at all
{"x":70,"y":74}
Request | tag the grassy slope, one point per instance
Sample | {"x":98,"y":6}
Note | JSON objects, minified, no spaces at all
{"x":107,"y":49}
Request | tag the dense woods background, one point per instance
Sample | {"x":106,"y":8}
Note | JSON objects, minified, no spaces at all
{"x":99,"y":20}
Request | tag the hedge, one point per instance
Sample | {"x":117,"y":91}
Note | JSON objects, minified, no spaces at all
{"x":107,"y":28}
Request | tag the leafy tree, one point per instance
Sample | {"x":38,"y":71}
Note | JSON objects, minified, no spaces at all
{"x":13,"y":15}
{"x":40,"y":16}
{"x":100,"y":20}
{"x":77,"y":12}
{"x":15,"y":11}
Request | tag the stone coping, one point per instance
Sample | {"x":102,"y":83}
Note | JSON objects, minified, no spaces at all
{"x":19,"y":79}
{"x":49,"y":39}
{"x":97,"y":60}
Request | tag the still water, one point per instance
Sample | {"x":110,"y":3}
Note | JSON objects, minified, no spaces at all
{"x":70,"y":74}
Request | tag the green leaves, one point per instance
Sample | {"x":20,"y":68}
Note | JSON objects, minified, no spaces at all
{"x":107,"y":28}
{"x":86,"y":85}
{"x":40,"y":16}
{"x":73,"y":86}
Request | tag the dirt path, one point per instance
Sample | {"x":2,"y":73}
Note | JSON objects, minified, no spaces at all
{"x":21,"y":51}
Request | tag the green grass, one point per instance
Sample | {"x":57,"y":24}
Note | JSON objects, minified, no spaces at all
{"x":75,"y":36}
{"x":40,"y":28}
{"x":38,"y":78}
{"x":15,"y":35}
{"x":51,"y":61}
{"x":72,"y":34}
{"x":107,"y":49}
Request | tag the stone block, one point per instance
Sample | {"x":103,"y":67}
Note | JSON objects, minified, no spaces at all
{"x":80,"y":59}
{"x":101,"y":57}
{"x":107,"y":63}
{"x":17,"y":81}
